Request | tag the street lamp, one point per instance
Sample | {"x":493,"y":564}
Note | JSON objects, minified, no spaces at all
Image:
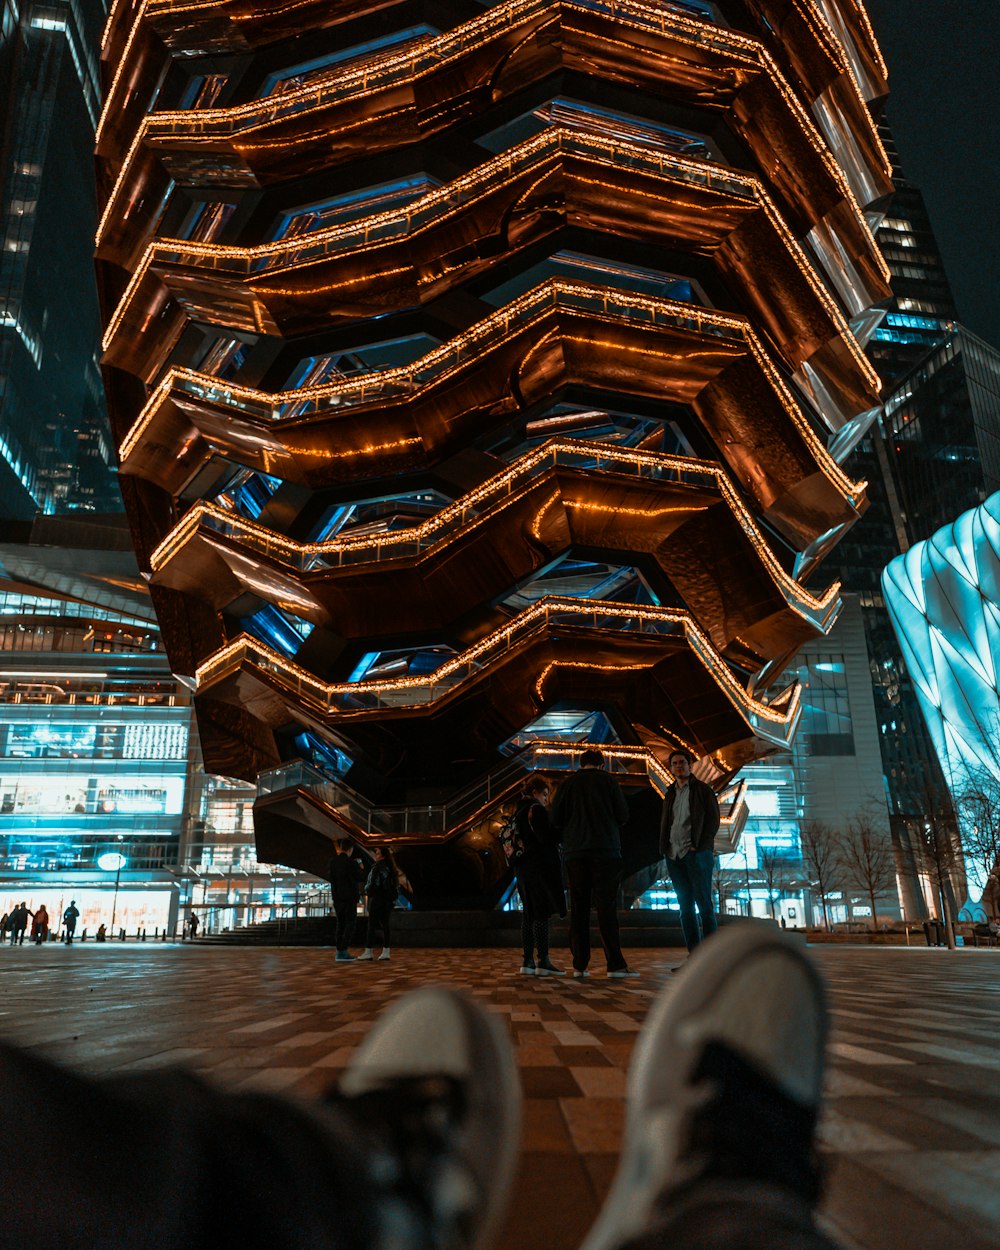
{"x":113,"y":861}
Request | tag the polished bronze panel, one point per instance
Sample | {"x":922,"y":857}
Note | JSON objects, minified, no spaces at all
{"x":676,"y":520}
{"x":352,"y":114}
{"x":559,"y":334}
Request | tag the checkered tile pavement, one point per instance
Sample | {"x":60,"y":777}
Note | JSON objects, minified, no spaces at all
{"x":911,"y":1129}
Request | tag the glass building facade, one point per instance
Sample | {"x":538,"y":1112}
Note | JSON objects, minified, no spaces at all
{"x":944,"y":599}
{"x":55,"y":447}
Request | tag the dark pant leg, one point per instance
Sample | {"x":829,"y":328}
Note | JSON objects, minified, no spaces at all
{"x":607,"y":875}
{"x":580,"y":893}
{"x":701,"y":868}
{"x":736,"y":1216}
{"x":346,"y":910}
{"x":527,"y":925}
{"x":680,"y":879}
{"x":378,"y":920}
{"x":541,"y":928}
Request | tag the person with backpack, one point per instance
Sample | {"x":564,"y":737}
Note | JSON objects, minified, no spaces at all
{"x":70,"y":917}
{"x":539,"y":877}
{"x":381,"y":892}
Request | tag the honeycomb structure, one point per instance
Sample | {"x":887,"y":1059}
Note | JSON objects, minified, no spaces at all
{"x":482,"y":378}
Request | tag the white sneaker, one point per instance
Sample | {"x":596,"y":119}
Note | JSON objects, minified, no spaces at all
{"x":527,"y":970}
{"x":366,"y":955}
{"x":440,"y":1068}
{"x":384,"y":956}
{"x":725,"y":1081}
{"x":580,"y":975}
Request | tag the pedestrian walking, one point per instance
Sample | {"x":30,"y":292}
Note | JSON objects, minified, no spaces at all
{"x":588,"y":814}
{"x":193,"y":925}
{"x":18,"y":923}
{"x":3,"y":927}
{"x":40,"y":926}
{"x":70,"y":916}
{"x":346,"y":874}
{"x":687,"y":840}
{"x":539,"y":878}
{"x":381,"y":892}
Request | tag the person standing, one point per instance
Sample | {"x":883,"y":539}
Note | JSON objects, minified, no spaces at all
{"x":381,"y":892}
{"x":539,"y":878}
{"x":17,"y":924}
{"x":687,"y":840}
{"x":70,"y":917}
{"x":588,"y":814}
{"x":40,"y":926}
{"x":346,"y":874}
{"x":193,"y":924}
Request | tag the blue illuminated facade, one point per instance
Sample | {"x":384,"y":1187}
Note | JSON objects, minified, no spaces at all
{"x":944,"y":599}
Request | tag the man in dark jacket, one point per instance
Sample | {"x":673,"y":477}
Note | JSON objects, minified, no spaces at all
{"x":687,"y":839}
{"x":588,"y":813}
{"x":346,"y":875}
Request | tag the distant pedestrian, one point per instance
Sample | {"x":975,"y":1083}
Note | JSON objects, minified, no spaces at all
{"x":40,"y":926}
{"x":588,"y":814}
{"x":346,"y":874}
{"x":102,"y":933}
{"x":687,"y":840}
{"x":381,"y":892}
{"x":70,"y":916}
{"x":539,"y":878}
{"x":17,"y":923}
{"x":193,"y":925}
{"x":3,"y":927}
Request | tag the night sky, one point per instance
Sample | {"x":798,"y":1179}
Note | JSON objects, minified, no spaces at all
{"x":944,"y":84}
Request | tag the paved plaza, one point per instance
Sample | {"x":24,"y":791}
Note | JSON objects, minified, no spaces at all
{"x":911,"y":1130}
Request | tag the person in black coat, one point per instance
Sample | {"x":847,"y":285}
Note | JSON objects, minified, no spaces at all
{"x":381,"y":892}
{"x":539,"y":878}
{"x":346,"y":874}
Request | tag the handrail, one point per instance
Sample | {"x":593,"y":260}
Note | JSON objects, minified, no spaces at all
{"x":433,"y":208}
{"x":407,"y":692}
{"x":435,"y":532}
{"x":439,"y":821}
{"x":342,"y":395}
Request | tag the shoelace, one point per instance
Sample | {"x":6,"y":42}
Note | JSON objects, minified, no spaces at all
{"x":746,"y":1128}
{"x":410,"y":1125}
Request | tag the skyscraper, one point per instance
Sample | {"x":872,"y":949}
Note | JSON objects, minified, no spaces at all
{"x":55,"y":450}
{"x":481,"y":386}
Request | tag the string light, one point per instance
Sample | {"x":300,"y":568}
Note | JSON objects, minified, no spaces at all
{"x":773,"y":724}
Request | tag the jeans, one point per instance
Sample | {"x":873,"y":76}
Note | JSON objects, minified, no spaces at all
{"x":594,"y":881}
{"x":692,"y":880}
{"x":346,"y":909}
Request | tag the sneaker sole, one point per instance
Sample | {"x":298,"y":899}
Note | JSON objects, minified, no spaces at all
{"x":433,"y":1031}
{"x":628,"y":1209}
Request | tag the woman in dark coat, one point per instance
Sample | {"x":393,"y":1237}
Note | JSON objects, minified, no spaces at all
{"x":539,"y":878}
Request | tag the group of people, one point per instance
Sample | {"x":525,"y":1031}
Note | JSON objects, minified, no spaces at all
{"x":580,"y":828}
{"x":14,"y":924}
{"x":382,"y":882}
{"x":576,"y":831}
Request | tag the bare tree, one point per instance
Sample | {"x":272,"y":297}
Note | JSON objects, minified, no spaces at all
{"x":867,"y":859}
{"x":820,"y":860}
{"x":979,"y":815}
{"x":935,"y":836}
{"x":773,"y":865}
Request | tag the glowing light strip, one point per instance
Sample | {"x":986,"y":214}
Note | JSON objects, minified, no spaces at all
{"x":123,"y":63}
{"x":686,"y":30}
{"x":533,"y":304}
{"x":498,"y":492}
{"x":246,"y":649}
{"x":544,"y":145}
